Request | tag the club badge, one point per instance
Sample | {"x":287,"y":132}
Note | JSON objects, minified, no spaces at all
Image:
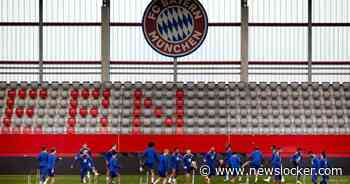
{"x":175,"y":28}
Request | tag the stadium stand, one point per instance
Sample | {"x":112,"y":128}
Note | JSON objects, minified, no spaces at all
{"x":175,"y":108}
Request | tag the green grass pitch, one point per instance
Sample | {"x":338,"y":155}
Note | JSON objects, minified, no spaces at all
{"x":127,"y":179}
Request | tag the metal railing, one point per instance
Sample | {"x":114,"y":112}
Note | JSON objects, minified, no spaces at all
{"x":186,"y":70}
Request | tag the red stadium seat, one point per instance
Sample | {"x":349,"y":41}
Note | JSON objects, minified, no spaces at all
{"x":104,"y":121}
{"x":30,"y":112}
{"x":95,"y":93}
{"x":71,"y":122}
{"x":33,"y":93}
{"x":147,"y":103}
{"x":137,"y":112}
{"x":8,"y":112}
{"x":72,"y":112}
{"x":138,"y":94}
{"x":158,"y":112}
{"x":94,"y":112}
{"x":74,"y":94}
{"x":168,"y":122}
{"x":22,"y":93}
{"x":83,"y":112}
{"x":70,"y":130}
{"x":136,"y":131}
{"x":180,"y":103}
{"x":136,"y":122}
{"x":180,"y":94}
{"x":106,"y":93}
{"x":73,"y":103}
{"x":180,"y":122}
{"x":180,"y":112}
{"x":10,"y":102}
{"x":19,"y":112}
{"x":6,"y":121}
{"x":105,"y":103}
{"x":137,"y":104}
{"x":43,"y":93}
{"x":179,"y":131}
{"x":11,"y":94}
{"x":85,"y":93}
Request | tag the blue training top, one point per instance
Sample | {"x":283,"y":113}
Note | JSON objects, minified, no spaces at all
{"x":150,"y":156}
{"x":108,"y":155}
{"x":52,"y":161}
{"x":256,"y":157}
{"x":228,"y":155}
{"x":113,"y":165}
{"x":188,"y":158}
{"x":324,"y":163}
{"x":176,"y":160}
{"x":235,"y":161}
{"x":315,"y":162}
{"x":210,"y":159}
{"x":277,"y":161}
{"x":163,"y":163}
{"x":297,"y":157}
{"x":43,"y":159}
{"x":85,"y":161}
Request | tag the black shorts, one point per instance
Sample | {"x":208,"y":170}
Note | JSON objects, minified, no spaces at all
{"x":51,"y":172}
{"x":188,"y":170}
{"x":149,"y":166}
{"x":296,"y":164}
{"x":113,"y":174}
{"x":162,"y":174}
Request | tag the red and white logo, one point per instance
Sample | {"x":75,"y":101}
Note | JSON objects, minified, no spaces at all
{"x":175,"y":28}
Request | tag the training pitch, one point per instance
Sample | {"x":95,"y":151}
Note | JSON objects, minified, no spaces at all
{"x":132,"y":179}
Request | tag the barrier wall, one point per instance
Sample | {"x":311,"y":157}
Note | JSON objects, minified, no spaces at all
{"x":68,"y":145}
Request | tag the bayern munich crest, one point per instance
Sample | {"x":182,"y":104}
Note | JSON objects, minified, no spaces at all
{"x":175,"y":28}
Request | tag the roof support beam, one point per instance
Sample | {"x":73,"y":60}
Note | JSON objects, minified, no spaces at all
{"x":244,"y":41}
{"x":105,"y":41}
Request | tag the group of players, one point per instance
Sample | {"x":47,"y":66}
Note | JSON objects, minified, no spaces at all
{"x":169,"y":165}
{"x":47,"y":163}
{"x":88,"y":171}
{"x":164,"y":168}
